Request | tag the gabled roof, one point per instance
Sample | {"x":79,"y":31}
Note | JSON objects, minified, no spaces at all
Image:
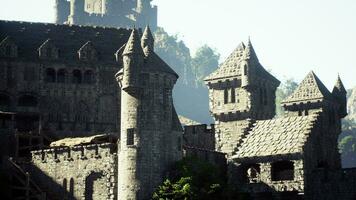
{"x":280,"y":136}
{"x":311,"y":89}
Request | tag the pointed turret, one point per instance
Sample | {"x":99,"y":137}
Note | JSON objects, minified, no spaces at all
{"x":133,"y":61}
{"x":147,"y":40}
{"x":133,"y":45}
{"x":339,"y":92}
{"x":250,"y":53}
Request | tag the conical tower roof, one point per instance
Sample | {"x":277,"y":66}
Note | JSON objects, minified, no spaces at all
{"x":250,"y":53}
{"x":311,"y":89}
{"x":339,"y":86}
{"x":133,"y":45}
{"x":147,"y":40}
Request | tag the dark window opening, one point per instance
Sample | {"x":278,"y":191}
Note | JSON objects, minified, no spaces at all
{"x":130,"y":140}
{"x":27,"y":101}
{"x":61,"y":76}
{"x":77,"y":77}
{"x":306,"y":112}
{"x":65,"y":185}
{"x":50,"y":75}
{"x":282,"y":170}
{"x":226,"y":96}
{"x":71,"y":188}
{"x":322,"y":165}
{"x":233,"y":95}
{"x":89,"y":77}
{"x":245,"y":70}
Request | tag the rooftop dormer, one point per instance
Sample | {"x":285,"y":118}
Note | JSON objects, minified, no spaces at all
{"x":88,"y":52}
{"x":8,"y":48}
{"x":48,"y":50}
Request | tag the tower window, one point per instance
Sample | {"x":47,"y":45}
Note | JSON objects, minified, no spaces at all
{"x":130,"y":140}
{"x":226,"y":96}
{"x":233,"y":95}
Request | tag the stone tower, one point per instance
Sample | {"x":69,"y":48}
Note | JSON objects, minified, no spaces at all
{"x":151,"y":134}
{"x":240,"y":91}
{"x":76,"y":12}
{"x":339,"y":92}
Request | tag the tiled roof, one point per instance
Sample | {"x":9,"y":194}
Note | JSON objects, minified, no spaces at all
{"x":68,"y":39}
{"x":231,"y":66}
{"x":310,"y":89}
{"x":155,"y":64}
{"x":276,"y":137}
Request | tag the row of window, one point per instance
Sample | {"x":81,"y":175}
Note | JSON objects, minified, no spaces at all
{"x":62,"y":76}
{"x":68,"y":193}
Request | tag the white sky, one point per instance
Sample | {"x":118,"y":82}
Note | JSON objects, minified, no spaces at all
{"x":291,"y":37}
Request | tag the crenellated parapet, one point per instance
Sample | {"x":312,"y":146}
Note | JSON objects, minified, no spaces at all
{"x":69,"y":154}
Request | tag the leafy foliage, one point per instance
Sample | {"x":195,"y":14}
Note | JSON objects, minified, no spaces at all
{"x":192,"y":179}
{"x":283,"y":91}
{"x":205,"y":61}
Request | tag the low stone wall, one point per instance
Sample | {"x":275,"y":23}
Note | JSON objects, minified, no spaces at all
{"x":200,"y":136}
{"x":80,"y":172}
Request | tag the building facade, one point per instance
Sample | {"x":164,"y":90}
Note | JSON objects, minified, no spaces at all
{"x":109,"y":13}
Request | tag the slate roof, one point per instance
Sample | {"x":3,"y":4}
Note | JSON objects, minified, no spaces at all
{"x":339,"y":86}
{"x":233,"y":65}
{"x":279,"y":136}
{"x":154,"y":63}
{"x":311,"y":89}
{"x":68,"y":39}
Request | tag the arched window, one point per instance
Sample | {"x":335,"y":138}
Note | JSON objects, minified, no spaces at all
{"x":282,"y":170}
{"x":88,"y":77}
{"x":77,"y":77}
{"x":27,"y":101}
{"x":50,"y":75}
{"x":61,"y":76}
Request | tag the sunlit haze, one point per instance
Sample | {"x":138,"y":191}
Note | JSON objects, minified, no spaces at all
{"x":290,"y":37}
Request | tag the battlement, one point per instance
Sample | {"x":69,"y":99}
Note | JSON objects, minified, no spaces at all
{"x":83,"y":152}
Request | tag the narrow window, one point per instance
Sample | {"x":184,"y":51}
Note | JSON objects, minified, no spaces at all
{"x":233,"y":95}
{"x":77,"y":77}
{"x":306,"y":112}
{"x":71,"y":188}
{"x":64,"y":185}
{"x":50,"y":75}
{"x":130,"y":136}
{"x":245,"y":70}
{"x":226,"y":96}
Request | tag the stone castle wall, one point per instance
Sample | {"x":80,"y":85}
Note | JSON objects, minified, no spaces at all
{"x":200,"y":136}
{"x":80,"y":172}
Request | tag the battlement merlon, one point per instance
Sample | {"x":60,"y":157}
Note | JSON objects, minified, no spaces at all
{"x":61,"y":154}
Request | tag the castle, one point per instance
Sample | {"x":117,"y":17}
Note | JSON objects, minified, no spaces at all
{"x":87,"y":113}
{"x":111,"y":13}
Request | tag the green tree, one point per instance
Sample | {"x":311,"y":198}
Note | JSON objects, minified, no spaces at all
{"x":283,"y":91}
{"x":192,"y":179}
{"x":205,"y":61}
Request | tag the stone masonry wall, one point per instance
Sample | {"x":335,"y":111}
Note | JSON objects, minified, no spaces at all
{"x":80,"y":172}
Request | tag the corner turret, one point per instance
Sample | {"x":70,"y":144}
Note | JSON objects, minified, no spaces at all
{"x":147,"y":40}
{"x":339,"y":92}
{"x":133,"y":60}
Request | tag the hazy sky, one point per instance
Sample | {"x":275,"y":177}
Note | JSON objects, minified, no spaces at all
{"x":291,"y":37}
